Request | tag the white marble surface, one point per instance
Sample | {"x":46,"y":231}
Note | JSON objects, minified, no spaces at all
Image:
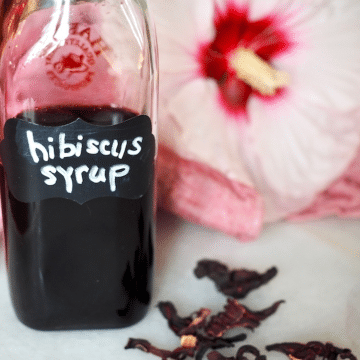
{"x":319,"y":267}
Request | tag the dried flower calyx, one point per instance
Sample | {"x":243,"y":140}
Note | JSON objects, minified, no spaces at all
{"x":240,"y":355}
{"x":202,"y":345}
{"x":195,"y":338}
{"x":311,"y":351}
{"x":200,"y":332}
{"x":295,"y":351}
{"x":180,"y":353}
{"x":197,"y":326}
{"x":183,"y":326}
{"x":237,"y":315}
{"x":235,"y":283}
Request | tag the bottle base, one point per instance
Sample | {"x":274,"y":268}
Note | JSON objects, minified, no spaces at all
{"x":111,"y":319}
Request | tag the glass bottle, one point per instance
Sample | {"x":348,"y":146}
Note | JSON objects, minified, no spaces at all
{"x":78,"y":131}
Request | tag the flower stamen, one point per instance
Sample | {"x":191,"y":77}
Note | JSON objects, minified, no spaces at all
{"x":257,"y":73}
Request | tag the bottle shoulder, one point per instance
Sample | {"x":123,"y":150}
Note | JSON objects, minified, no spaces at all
{"x":83,"y":54}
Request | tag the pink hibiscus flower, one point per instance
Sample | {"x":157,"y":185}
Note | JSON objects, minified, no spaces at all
{"x":264,"y":92}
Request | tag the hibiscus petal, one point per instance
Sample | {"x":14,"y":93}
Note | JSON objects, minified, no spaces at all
{"x":200,"y":131}
{"x":189,"y":21}
{"x":181,"y":27}
{"x":341,"y":198}
{"x":296,"y":10}
{"x":325,"y":61}
{"x":298,"y":151}
{"x":200,"y":173}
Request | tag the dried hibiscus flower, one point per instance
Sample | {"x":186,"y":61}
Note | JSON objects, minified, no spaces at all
{"x":240,"y":355}
{"x":183,"y":326}
{"x":175,"y":322}
{"x":195,"y":341}
{"x":235,"y":283}
{"x":237,"y":315}
{"x":198,"y":327}
{"x":311,"y":351}
{"x":144,"y":345}
{"x":215,"y":355}
{"x":201,"y":346}
{"x":199,"y":332}
{"x":234,"y":315}
{"x":206,"y":343}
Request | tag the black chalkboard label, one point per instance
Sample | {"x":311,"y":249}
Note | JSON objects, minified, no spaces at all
{"x":78,"y":161}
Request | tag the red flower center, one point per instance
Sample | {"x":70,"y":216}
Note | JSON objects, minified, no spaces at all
{"x":234,"y":30}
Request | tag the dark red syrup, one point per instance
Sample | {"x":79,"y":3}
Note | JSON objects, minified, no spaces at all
{"x":73,"y":266}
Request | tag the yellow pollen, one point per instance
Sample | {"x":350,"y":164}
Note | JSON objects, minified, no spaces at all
{"x":257,"y":73}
